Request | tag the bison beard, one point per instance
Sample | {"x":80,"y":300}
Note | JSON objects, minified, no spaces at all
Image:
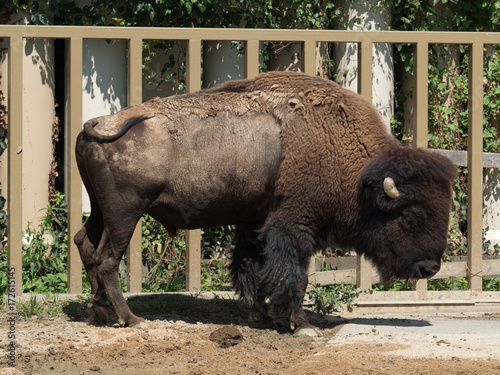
{"x":297,"y":163}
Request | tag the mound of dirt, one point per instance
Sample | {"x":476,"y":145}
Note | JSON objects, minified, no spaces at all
{"x":226,"y":337}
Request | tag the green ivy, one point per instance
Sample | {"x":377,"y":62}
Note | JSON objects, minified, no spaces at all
{"x":44,"y":253}
{"x":181,"y":13}
{"x":330,"y":298}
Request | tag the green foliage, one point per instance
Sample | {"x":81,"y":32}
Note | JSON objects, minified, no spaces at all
{"x":451,"y":283}
{"x":164,"y":256}
{"x":491,"y":283}
{"x":45,"y":252}
{"x":215,"y":275}
{"x":330,"y":298}
{"x":392,"y":286}
{"x":457,"y":241}
{"x":217,"y":246}
{"x":425,"y":15}
{"x":44,"y":255}
{"x":181,"y":13}
{"x":215,"y":241}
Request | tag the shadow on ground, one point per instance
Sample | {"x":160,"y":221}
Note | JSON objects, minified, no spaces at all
{"x":193,"y":310}
{"x":393,"y":322}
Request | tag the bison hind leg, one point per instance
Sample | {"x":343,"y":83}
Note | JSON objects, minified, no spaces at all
{"x":246,"y":264}
{"x":87,"y":240}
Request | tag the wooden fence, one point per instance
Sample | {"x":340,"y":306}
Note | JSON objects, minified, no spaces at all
{"x":474,"y":268}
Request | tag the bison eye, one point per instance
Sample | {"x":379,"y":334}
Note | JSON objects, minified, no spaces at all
{"x":408,"y":220}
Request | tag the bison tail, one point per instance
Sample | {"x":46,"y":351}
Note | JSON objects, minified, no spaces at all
{"x":91,"y":134}
{"x":283,"y":277}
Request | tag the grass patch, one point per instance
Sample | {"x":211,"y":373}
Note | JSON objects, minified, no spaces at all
{"x":49,"y":306}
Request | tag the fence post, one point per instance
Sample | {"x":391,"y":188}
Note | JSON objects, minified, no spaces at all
{"x":475,"y":169}
{"x":15,"y":167}
{"x":134,"y":96}
{"x":251,"y":58}
{"x":309,"y":57}
{"x":75,"y":183}
{"x":365,"y":85}
{"x":420,"y":127}
{"x":193,"y":237}
{"x":193,"y":260}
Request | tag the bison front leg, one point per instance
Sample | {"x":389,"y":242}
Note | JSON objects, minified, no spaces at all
{"x":283,"y":277}
{"x":298,"y":319}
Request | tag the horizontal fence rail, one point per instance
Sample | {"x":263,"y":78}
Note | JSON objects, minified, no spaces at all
{"x":363,"y":275}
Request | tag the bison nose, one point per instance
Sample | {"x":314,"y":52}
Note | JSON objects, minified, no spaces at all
{"x":426,"y":269}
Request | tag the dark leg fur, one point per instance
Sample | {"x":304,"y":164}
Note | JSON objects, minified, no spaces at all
{"x":283,"y":277}
{"x":245,"y":266}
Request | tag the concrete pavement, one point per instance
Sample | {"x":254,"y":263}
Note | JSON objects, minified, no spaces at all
{"x":427,"y":335}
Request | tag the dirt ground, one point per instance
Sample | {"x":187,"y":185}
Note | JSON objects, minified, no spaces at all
{"x":186,"y":335}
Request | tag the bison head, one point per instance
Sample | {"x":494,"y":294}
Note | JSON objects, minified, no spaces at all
{"x":406,"y":197}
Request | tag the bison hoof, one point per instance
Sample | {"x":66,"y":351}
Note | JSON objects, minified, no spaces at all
{"x":139,"y":323}
{"x":307,"y":331}
{"x":261,"y":321}
{"x":98,"y":313}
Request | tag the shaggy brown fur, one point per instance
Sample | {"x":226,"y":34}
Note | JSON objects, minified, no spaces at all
{"x":295,"y":161}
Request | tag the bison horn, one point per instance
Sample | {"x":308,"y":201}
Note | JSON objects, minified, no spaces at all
{"x":390,"y":188}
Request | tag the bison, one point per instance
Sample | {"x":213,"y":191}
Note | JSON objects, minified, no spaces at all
{"x":295,"y":162}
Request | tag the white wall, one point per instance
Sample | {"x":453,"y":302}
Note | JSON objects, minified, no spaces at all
{"x":104,"y":83}
{"x":4,"y":89}
{"x":491,"y":207}
{"x":221,"y":63}
{"x":346,"y":56}
{"x":38,"y":117}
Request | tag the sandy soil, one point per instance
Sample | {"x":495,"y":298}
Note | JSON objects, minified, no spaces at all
{"x":189,"y":336}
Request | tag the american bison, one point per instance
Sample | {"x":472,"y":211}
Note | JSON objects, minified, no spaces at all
{"x":295,"y":162}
